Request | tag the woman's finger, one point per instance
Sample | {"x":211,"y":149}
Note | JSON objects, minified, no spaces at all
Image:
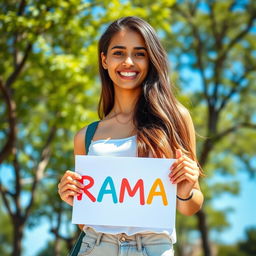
{"x":70,"y":187}
{"x":177,"y":162}
{"x":186,"y":176}
{"x":183,"y":171}
{"x":181,"y":166}
{"x":70,"y":180}
{"x":74,"y":175}
{"x":180,"y":160}
{"x":68,"y":196}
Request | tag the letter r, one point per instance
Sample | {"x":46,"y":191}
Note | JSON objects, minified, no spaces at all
{"x":85,"y":189}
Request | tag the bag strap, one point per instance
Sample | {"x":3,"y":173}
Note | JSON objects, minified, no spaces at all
{"x":89,"y":134}
{"x":88,"y":138}
{"x":76,"y":248}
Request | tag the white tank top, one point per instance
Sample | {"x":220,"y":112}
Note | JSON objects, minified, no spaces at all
{"x":121,"y":147}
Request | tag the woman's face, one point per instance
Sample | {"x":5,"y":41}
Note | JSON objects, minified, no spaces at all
{"x":127,"y":59}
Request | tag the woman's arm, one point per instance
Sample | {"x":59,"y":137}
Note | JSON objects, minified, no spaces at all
{"x":79,"y":149}
{"x":185,"y":173}
{"x":69,"y":186}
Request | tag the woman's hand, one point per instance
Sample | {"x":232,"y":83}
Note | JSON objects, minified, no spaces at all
{"x":69,"y":187}
{"x":184,"y":173}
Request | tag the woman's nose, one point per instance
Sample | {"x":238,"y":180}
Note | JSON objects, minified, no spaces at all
{"x":128,"y":61}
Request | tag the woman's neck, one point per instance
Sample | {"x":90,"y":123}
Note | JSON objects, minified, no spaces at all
{"x":125,"y":101}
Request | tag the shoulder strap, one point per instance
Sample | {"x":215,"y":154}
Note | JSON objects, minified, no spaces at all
{"x":76,"y":248}
{"x":89,"y":134}
{"x":88,"y":137}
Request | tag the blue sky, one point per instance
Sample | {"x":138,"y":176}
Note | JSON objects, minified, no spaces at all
{"x":244,"y":206}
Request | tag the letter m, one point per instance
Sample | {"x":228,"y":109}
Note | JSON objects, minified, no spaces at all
{"x":126,"y":186}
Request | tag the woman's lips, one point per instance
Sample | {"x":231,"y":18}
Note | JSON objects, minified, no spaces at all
{"x":128,"y":75}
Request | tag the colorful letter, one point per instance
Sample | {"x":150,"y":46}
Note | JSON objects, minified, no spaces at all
{"x":85,"y":189}
{"x":125,"y":185}
{"x":153,"y":192}
{"x":104,"y":190}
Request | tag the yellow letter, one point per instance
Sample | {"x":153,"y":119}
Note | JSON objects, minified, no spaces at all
{"x":153,"y":192}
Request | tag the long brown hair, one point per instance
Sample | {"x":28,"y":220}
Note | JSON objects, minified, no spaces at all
{"x":157,"y":117}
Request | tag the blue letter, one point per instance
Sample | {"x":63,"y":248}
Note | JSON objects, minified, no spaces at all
{"x":104,"y":190}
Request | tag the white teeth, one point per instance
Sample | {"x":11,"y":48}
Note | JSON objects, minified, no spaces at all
{"x":128,"y":73}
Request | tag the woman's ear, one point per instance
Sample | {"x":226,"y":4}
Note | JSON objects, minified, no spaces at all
{"x":103,"y":60}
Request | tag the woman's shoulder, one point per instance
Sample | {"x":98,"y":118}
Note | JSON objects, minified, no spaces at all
{"x":185,"y":114}
{"x":79,"y":146}
{"x":79,"y":139}
{"x":81,"y":133}
{"x":188,"y":123}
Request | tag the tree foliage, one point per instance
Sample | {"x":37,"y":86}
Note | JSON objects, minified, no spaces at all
{"x":246,"y":247}
{"x":49,"y":90}
{"x":216,"y":40}
{"x":5,"y":235}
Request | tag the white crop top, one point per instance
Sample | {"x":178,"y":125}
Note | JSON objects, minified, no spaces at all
{"x":121,"y":147}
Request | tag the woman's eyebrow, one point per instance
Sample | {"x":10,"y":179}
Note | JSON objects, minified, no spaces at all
{"x":123,"y":47}
{"x":118,"y":47}
{"x":140,"y":48}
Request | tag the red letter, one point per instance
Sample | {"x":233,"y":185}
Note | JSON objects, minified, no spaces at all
{"x":125,"y":185}
{"x":89,"y":185}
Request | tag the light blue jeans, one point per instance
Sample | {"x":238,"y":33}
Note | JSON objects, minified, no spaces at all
{"x":146,"y":244}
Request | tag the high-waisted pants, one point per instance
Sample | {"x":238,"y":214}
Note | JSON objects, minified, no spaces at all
{"x":144,"y":244}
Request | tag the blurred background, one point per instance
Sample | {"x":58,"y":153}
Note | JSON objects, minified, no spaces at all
{"x":49,"y":89}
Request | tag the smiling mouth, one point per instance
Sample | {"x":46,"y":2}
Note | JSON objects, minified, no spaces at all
{"x":128,"y":75}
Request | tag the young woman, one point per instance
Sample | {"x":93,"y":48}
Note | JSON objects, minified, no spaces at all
{"x":139,"y":116}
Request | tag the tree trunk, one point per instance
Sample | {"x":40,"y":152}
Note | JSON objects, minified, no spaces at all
{"x":213,"y":117}
{"x":17,"y":238}
{"x":57,"y":247}
{"x":203,"y":228}
{"x":201,"y":216}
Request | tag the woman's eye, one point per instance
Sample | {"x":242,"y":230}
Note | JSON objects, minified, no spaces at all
{"x":118,"y":53}
{"x":140,"y":54}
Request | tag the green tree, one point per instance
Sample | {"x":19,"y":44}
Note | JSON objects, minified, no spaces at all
{"x":49,"y":89}
{"x":248,"y":247}
{"x":49,"y":250}
{"x":5,"y":235}
{"x":229,"y":250}
{"x":216,"y":41}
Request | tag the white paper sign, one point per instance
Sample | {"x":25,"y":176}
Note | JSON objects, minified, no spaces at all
{"x":125,"y":191}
